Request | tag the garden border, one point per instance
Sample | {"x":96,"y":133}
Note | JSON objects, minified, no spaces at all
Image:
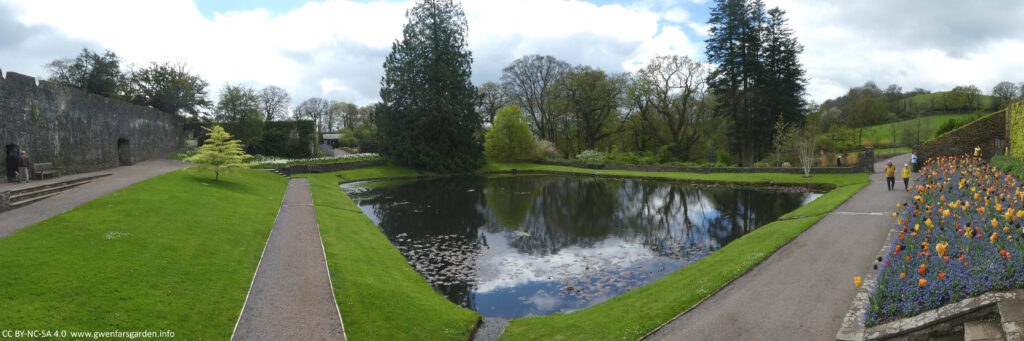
{"x":865,"y":165}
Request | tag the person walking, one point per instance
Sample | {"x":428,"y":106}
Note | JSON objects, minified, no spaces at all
{"x":906,"y":177}
{"x":890,"y":175}
{"x":12,"y":165}
{"x":23,"y":163}
{"x":913,"y":162}
{"x":839,"y":160}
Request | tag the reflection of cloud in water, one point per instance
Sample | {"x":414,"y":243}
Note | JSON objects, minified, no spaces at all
{"x":502,"y":266}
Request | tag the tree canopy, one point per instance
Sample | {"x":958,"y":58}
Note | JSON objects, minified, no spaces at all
{"x":428,"y":119}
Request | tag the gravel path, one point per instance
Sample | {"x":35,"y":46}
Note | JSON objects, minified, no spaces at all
{"x":803,"y":290}
{"x":291,"y":297}
{"x":120,"y":177}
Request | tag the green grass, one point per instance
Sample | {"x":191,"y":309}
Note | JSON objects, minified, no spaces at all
{"x":360,"y":257}
{"x":176,"y":252}
{"x":929,"y":125}
{"x":380,"y":296}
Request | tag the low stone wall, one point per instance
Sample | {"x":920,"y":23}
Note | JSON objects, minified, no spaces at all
{"x":986,"y":132}
{"x":865,"y":165}
{"x":327,"y":168}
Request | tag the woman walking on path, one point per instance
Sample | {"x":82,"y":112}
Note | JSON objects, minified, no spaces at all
{"x":913,"y":162}
{"x":906,"y":177}
{"x":890,"y":175}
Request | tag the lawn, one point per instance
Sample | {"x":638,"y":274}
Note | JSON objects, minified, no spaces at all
{"x":891,"y":131}
{"x":361,"y":257}
{"x":176,"y":252}
{"x":380,"y":296}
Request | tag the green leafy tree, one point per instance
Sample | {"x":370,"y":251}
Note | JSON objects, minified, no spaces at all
{"x":239,"y":108}
{"x":219,"y":153}
{"x":97,"y":73}
{"x":510,"y":139}
{"x":168,"y":87}
{"x":428,"y":119}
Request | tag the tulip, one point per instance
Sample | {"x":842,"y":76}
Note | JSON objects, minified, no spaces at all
{"x":995,"y":223}
{"x":922,"y":282}
{"x":903,"y":275}
{"x":942,"y":275}
{"x":995,"y":235}
{"x":856,"y":281}
{"x":922,"y":269}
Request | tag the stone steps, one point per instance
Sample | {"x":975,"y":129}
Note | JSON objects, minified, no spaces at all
{"x":26,"y":196}
{"x":985,"y":330}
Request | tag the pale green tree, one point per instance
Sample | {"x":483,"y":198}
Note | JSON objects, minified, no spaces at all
{"x":219,"y":154}
{"x":509,"y":138}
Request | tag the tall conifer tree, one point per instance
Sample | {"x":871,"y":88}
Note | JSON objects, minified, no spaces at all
{"x":428,"y":120}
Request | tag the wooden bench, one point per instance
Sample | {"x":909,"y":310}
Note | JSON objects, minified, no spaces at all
{"x":42,"y":169}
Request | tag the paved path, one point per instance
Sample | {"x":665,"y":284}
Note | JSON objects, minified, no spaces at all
{"x":120,"y":177}
{"x":291,"y":297}
{"x":802,"y":291}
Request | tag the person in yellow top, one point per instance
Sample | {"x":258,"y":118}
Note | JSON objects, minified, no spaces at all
{"x":890,"y":175}
{"x":906,"y":177}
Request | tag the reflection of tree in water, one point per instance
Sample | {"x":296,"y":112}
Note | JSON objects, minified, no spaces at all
{"x":670,"y":219}
{"x":435,"y":223}
{"x":572,"y":211}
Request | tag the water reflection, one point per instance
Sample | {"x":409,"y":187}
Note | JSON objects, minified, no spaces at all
{"x":511,"y":246}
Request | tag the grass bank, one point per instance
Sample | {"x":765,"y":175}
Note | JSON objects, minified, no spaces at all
{"x":361,"y":257}
{"x":176,"y":252}
{"x":380,"y":296}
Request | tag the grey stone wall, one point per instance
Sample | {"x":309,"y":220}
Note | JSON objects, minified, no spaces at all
{"x":983,"y":133}
{"x":80,"y":132}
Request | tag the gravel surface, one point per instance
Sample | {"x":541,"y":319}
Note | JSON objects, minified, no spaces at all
{"x":291,"y":296}
{"x":803,"y":290}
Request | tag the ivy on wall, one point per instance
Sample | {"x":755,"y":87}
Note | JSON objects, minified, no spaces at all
{"x":1015,"y":124}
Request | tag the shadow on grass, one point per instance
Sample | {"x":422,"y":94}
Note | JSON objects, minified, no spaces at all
{"x":226,"y":182}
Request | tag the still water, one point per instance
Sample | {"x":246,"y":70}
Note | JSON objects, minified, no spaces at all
{"x":510,"y":246}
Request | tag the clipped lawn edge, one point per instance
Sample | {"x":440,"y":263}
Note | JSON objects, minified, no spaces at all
{"x":379,"y":295}
{"x":792,"y":224}
{"x":568,"y":326}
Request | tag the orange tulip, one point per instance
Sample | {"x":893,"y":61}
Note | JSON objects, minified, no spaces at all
{"x":942,"y":275}
{"x":995,"y":223}
{"x":856,"y":281}
{"x":922,"y":282}
{"x":903,"y":275}
{"x":995,"y":235}
{"x":922,"y":269}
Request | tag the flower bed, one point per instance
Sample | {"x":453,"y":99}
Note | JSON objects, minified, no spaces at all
{"x":265,"y":162}
{"x":960,"y":236}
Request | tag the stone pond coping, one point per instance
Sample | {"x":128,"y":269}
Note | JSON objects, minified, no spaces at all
{"x":329,"y":167}
{"x":943,"y":320}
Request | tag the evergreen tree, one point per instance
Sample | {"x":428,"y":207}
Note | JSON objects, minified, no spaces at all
{"x":428,"y":119}
{"x":219,"y":153}
{"x":758,"y":77}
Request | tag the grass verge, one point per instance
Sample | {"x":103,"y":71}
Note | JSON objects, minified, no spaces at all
{"x":380,"y":296}
{"x":176,"y":252}
{"x":361,"y":257}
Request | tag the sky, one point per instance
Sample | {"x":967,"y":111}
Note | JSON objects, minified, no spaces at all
{"x":336,"y":48}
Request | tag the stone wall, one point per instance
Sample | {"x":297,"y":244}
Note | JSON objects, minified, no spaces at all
{"x":80,"y":132}
{"x":988,"y":132}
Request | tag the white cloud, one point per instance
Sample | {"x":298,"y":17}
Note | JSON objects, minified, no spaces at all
{"x":336,"y":48}
{"x":916,"y":43}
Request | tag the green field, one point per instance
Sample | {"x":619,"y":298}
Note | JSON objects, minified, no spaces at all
{"x":176,"y":252}
{"x":361,"y":257}
{"x":929,"y":124}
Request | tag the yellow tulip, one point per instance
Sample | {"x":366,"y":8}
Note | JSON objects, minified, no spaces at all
{"x":856,"y":281}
